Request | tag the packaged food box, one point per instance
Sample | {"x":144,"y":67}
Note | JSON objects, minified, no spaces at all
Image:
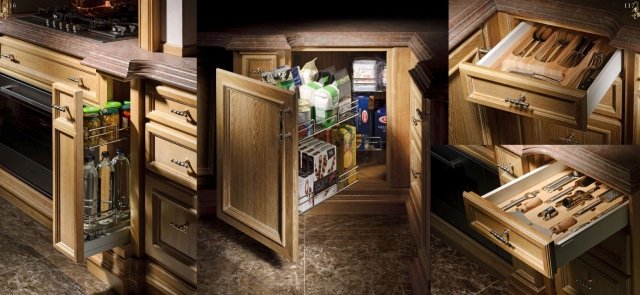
{"x":363,"y":122}
{"x":380,"y":129}
{"x":324,"y":167}
{"x":307,"y":90}
{"x":305,"y":160}
{"x":326,"y":104}
{"x":305,"y":183}
{"x":325,"y":194}
{"x":344,"y":137}
{"x":305,"y":206}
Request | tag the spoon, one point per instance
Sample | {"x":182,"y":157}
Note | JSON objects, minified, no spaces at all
{"x":541,"y":39}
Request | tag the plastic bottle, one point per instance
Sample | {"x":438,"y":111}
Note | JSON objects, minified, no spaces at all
{"x":90,"y":193}
{"x":105,"y":178}
{"x":121,"y":180}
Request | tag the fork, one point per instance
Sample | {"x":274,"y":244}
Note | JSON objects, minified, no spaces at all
{"x":536,"y":37}
{"x":596,"y":61}
{"x":562,"y":39}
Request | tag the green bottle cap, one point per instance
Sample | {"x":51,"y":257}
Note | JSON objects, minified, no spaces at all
{"x":90,"y":110}
{"x":112,"y":105}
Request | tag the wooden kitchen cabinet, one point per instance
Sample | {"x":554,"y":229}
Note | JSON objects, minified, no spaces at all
{"x":590,"y":276}
{"x":68,"y":193}
{"x":527,"y":237}
{"x":253,"y":63}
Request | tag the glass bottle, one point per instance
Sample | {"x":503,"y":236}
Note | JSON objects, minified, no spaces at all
{"x":105,"y":182}
{"x":121,"y":180}
{"x":90,"y":193}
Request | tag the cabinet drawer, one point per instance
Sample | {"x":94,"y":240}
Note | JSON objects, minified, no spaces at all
{"x":490,"y":81}
{"x":171,"y":233}
{"x":528,"y":237}
{"x":253,"y":65}
{"x":588,"y":276}
{"x":601,"y":130}
{"x":172,"y":154}
{"x":47,"y":66}
{"x":174,"y":108}
{"x":509,"y":165}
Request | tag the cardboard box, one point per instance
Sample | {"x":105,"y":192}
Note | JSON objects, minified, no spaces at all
{"x":380,"y":127}
{"x":305,"y":183}
{"x":363,"y":121}
{"x":326,"y":194}
{"x":305,"y":206}
{"x":324,"y":167}
{"x":344,"y":137}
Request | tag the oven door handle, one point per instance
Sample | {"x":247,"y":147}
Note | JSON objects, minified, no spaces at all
{"x":7,"y":90}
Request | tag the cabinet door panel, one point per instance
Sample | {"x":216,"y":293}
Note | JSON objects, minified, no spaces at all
{"x":67,"y":171}
{"x":256,"y":164}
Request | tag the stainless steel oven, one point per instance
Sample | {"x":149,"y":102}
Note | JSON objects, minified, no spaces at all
{"x":25,"y":133}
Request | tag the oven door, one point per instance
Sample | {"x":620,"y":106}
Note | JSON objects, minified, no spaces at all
{"x":25,"y":133}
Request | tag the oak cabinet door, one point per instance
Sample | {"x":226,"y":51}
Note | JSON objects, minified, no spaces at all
{"x":256,"y":141}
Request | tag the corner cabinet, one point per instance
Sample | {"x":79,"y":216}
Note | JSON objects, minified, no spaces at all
{"x":256,"y":146}
{"x":68,"y":152}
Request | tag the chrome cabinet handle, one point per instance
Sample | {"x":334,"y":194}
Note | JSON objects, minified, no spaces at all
{"x":504,"y":237}
{"x":61,"y":108}
{"x":10,"y":56}
{"x":508,"y":169}
{"x":569,"y":139}
{"x":183,"y":228}
{"x":519,"y":102}
{"x":421,"y":117}
{"x":184,"y":113}
{"x":415,"y":174}
{"x":77,"y":80}
{"x":186,"y":163}
{"x":258,"y":71}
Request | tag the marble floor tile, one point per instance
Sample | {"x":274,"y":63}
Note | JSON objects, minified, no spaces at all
{"x":38,"y":277}
{"x":340,"y":254}
{"x":454,"y":273}
{"x":497,"y":288}
{"x":14,"y":254}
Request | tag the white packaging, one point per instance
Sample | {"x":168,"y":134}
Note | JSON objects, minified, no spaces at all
{"x":326,"y":98}
{"x":307,"y":90}
{"x":305,"y":183}
{"x":324,"y":195}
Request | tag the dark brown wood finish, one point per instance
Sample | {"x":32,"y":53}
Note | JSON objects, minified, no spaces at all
{"x":120,"y":59}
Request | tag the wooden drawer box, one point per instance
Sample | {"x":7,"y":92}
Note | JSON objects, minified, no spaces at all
{"x":171,"y":227}
{"x":586,"y":275}
{"x":528,"y":237}
{"x":172,"y":154}
{"x":46,"y":66}
{"x":601,"y":130}
{"x":174,"y":108}
{"x":489,"y":82}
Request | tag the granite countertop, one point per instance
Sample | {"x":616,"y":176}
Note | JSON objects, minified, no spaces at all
{"x":608,"y":18}
{"x":120,"y":59}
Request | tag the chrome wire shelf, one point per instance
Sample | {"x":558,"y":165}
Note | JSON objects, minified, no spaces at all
{"x":105,"y":132}
{"x":342,"y":184}
{"x":344,"y":114}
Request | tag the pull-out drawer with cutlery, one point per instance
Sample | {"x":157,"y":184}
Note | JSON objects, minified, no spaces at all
{"x":544,"y":72}
{"x":549,"y":216}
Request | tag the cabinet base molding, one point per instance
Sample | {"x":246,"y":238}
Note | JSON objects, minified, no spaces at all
{"x":418,"y":274}
{"x":123,"y":275}
{"x":28,"y":200}
{"x":160,"y":281}
{"x":465,"y":244}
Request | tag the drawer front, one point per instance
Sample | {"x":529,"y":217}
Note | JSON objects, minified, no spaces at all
{"x":526,"y":237}
{"x":172,"y":154}
{"x":601,"y":130}
{"x":509,"y":165}
{"x":174,"y":108}
{"x":562,"y":103}
{"x":611,"y":103}
{"x":581,"y":277}
{"x":171,"y":235}
{"x":616,"y":251}
{"x":47,"y":66}
{"x":253,"y":65}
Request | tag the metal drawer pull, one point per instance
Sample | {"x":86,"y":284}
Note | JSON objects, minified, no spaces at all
{"x":415,"y":174}
{"x":586,"y":284}
{"x":421,"y":117}
{"x":509,"y":169}
{"x":184,"y":113}
{"x":258,"y":71}
{"x":504,"y":237}
{"x":76,"y":80}
{"x":520,"y":102}
{"x":571,"y":139}
{"x":61,"y":108}
{"x":186,"y":163}
{"x":184,"y":228}
{"x":10,"y":56}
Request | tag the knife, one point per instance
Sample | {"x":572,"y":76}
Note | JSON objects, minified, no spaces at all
{"x":537,"y":76}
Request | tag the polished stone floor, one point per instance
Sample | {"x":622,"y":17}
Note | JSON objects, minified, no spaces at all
{"x":30,"y":265}
{"x":339,"y":254}
{"x":454,"y":273}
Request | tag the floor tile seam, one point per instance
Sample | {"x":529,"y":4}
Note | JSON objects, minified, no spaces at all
{"x":487,"y":287}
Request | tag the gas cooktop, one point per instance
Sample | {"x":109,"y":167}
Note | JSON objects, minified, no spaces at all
{"x":99,"y":29}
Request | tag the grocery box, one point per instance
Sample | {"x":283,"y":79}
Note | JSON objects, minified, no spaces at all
{"x":306,"y":205}
{"x":305,"y":183}
{"x":324,"y":167}
{"x":325,"y":101}
{"x":380,"y":127}
{"x":325,"y":194}
{"x":344,"y":137}
{"x":363,"y":122}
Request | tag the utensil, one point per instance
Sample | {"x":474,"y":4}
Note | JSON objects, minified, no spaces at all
{"x":601,"y":214}
{"x":537,"y":76}
{"x":581,"y":182}
{"x":563,"y":225}
{"x":544,"y":36}
{"x":536,"y":36}
{"x":607,"y":196}
{"x":597,"y":59}
{"x":578,"y":53}
{"x":526,"y":196}
{"x":578,"y":197}
{"x":560,"y":41}
{"x":562,"y":181}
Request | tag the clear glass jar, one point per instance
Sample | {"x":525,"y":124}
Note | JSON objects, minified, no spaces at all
{"x":91,"y":125}
{"x":111,"y":123}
